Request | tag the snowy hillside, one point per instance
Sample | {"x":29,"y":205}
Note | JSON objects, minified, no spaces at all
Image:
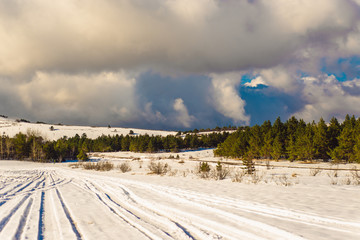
{"x":11,"y":127}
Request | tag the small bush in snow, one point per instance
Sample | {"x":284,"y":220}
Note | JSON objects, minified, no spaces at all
{"x":203,"y":170}
{"x":333,"y":174}
{"x":257,"y":178}
{"x":124,"y":167}
{"x":173,"y":173}
{"x":221,"y":172}
{"x":75,"y":165}
{"x":249,"y":164}
{"x":185,"y":173}
{"x":267,"y":163}
{"x":99,"y":166}
{"x":314,"y":171}
{"x":355,"y":176}
{"x":283,"y":180}
{"x":105,"y":166}
{"x":238,"y":176}
{"x":158,"y":167}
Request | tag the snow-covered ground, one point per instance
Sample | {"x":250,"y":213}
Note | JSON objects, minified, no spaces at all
{"x":57,"y":201}
{"x":10,"y":128}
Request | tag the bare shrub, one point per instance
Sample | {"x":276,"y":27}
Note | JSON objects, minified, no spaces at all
{"x":238,"y":175}
{"x":185,"y":173}
{"x":256,"y":178}
{"x":221,"y":172}
{"x":158,"y":168}
{"x":104,"y":166}
{"x":267,"y":164}
{"x":355,"y":175}
{"x":173,"y":173}
{"x":89,"y":166}
{"x":283,"y":180}
{"x":333,"y":181}
{"x":99,"y":166}
{"x":333,"y":174}
{"x":347,"y":181}
{"x":315,"y":171}
{"x":124,"y":167}
{"x":75,"y":165}
{"x":333,"y":177}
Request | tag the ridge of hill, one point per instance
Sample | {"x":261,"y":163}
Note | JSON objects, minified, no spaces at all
{"x":11,"y":127}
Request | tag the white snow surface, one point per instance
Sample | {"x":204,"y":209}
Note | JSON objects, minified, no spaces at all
{"x":57,"y":201}
{"x":10,"y":128}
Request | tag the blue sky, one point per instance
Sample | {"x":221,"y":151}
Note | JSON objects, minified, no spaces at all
{"x":179,"y":64}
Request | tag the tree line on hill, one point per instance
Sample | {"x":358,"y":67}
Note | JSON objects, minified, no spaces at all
{"x":296,"y":140}
{"x":30,"y":146}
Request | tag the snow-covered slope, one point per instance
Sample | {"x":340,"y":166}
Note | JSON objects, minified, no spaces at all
{"x":10,"y":127}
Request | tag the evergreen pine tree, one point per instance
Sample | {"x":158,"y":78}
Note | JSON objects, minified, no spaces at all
{"x":267,"y":146}
{"x":333,"y":132}
{"x":291,"y":148}
{"x":321,"y":141}
{"x":151,"y":147}
{"x":346,"y":144}
{"x":82,"y":156}
{"x":276,"y":148}
{"x":304,"y":148}
{"x":255,"y":142}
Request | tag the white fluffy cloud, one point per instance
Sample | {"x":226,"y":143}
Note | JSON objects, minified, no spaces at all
{"x":326,"y":97}
{"x":225,"y":97}
{"x":256,"y":82}
{"x":182,"y":115}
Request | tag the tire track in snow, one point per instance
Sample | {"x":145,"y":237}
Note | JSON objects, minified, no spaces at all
{"x":21,"y":192}
{"x":122,"y":216}
{"x":41,"y":225}
{"x":7,"y":218}
{"x":282,"y":214}
{"x":12,"y":189}
{"x":171,"y":226}
{"x":184,"y":230}
{"x":68,"y":216}
{"x":253,"y":208}
{"x":199,"y":229}
{"x":201,"y":226}
{"x":20,"y":187}
{"x":23,"y":220}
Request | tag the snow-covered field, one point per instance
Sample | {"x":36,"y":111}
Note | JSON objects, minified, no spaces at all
{"x":56,"y":201}
{"x":10,"y":128}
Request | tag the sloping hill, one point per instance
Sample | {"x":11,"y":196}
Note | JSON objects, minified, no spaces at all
{"x":11,"y":127}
